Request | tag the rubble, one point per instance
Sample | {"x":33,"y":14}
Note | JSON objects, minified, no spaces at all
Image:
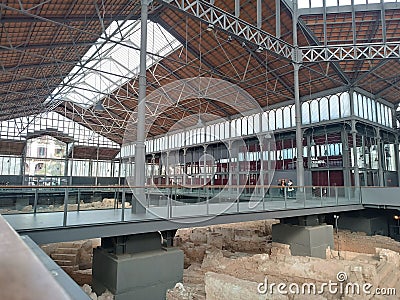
{"x":105,"y":296}
{"x":250,"y":237}
{"x":221,"y":286}
{"x":183,"y":293}
{"x":106,"y":203}
{"x":219,"y":267}
{"x":231,"y":261}
{"x":362,"y":243}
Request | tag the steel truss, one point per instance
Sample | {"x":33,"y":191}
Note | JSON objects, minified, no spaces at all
{"x":350,"y":52}
{"x":216,"y":17}
{"x":225,"y":21}
{"x":345,"y":8}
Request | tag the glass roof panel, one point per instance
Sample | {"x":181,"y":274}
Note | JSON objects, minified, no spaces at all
{"x":112,"y":61}
{"x":21,"y":128}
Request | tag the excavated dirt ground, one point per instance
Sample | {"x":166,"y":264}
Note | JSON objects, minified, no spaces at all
{"x":230,"y":261}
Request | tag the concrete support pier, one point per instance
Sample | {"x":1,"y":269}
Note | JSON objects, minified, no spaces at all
{"x":370,"y":224}
{"x":304,"y":240}
{"x":136,"y":267}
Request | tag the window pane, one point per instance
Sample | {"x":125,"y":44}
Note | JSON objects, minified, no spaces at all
{"x":304,"y":4}
{"x":369,"y":109}
{"x":264,"y":121}
{"x":365,"y":107}
{"x":316,"y":3}
{"x":305,"y":113}
{"x":272,"y":120}
{"x":286,"y":117}
{"x":293,"y":113}
{"x":324,"y":109}
{"x":222,"y":134}
{"x":256,"y":123}
{"x":190,"y":137}
{"x":314,"y":111}
{"x":373,"y":110}
{"x":208,"y":133}
{"x":345,"y":105}
{"x":216,"y":132}
{"x":279,"y":119}
{"x":331,"y":3}
{"x":227,"y":127}
{"x":385,"y":115}
{"x":379,"y":113}
{"x":334,"y":107}
{"x":201,"y":135}
{"x":250,"y":124}
{"x":245,"y":130}
{"x":355,"y":103}
{"x":360,"y":106}
{"x":237,"y":130}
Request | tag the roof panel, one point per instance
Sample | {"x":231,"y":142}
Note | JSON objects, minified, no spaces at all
{"x":41,"y":46}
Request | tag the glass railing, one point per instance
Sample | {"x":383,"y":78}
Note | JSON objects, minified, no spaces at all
{"x":166,"y":202}
{"x":38,"y":199}
{"x":215,"y":200}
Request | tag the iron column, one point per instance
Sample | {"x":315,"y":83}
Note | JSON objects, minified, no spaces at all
{"x":299,"y":130}
{"x":278,"y":19}
{"x":137,"y":205}
{"x":355,"y":154}
{"x":380,"y":157}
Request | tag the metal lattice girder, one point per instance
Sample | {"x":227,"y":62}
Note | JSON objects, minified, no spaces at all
{"x":342,"y":9}
{"x":350,"y":52}
{"x":211,"y":14}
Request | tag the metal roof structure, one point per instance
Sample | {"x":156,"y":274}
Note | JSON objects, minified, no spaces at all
{"x":338,"y":47}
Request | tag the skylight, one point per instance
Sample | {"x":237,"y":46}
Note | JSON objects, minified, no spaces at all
{"x":110,"y":64}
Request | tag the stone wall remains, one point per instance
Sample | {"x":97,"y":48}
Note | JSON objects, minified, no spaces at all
{"x":361,"y":243}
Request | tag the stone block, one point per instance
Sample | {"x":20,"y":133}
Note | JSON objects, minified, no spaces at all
{"x":27,"y":208}
{"x":215,"y":239}
{"x":199,"y":235}
{"x":70,"y":269}
{"x":61,"y":250}
{"x":195,"y":253}
{"x":82,"y":277}
{"x":107,"y":202}
{"x":280,"y":249}
{"x":225,"y":287}
{"x":65,"y":257}
{"x":64,"y":263}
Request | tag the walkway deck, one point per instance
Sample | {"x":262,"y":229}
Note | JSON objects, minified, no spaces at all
{"x":49,"y":226}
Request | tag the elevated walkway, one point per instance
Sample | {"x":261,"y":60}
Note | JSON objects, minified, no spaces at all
{"x":381,"y":197}
{"x":166,"y":209}
{"x":70,"y":217}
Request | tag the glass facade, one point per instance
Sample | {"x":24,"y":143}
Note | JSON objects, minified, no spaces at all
{"x":372,"y":110}
{"x":327,"y":108}
{"x":327,"y":147}
{"x":324,"y":146}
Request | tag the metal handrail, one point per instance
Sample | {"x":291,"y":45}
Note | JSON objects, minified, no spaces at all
{"x":171,"y":186}
{"x":167,"y":196}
